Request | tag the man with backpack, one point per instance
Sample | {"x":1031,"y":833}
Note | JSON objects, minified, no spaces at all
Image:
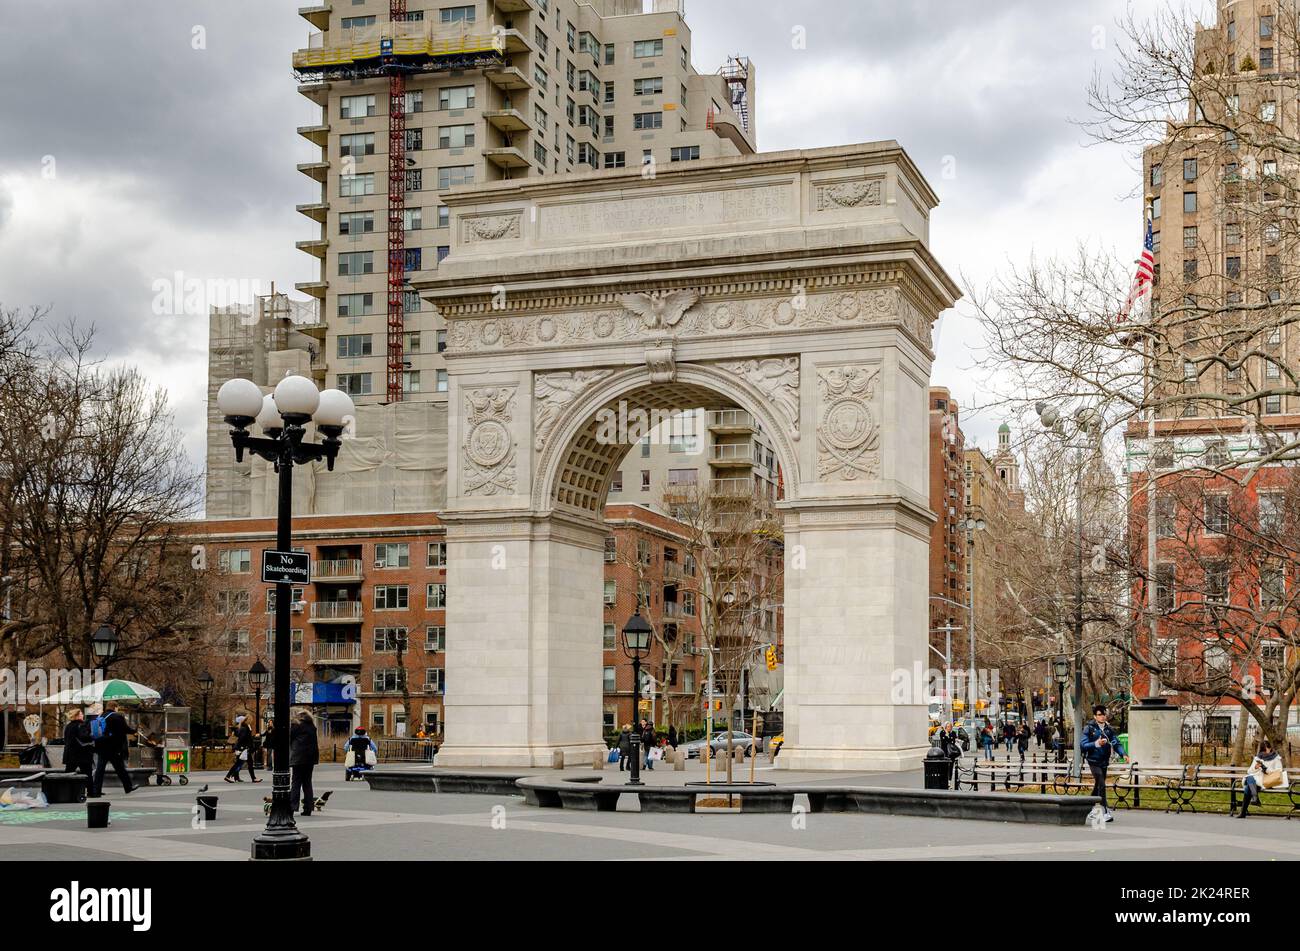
{"x":110,"y":733}
{"x":1097,"y":744}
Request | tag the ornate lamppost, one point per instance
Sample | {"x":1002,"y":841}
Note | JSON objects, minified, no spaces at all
{"x":1061,"y":669}
{"x":205,"y":687}
{"x":104,"y":645}
{"x":636,"y":644}
{"x":259,"y":677}
{"x":283,"y":418}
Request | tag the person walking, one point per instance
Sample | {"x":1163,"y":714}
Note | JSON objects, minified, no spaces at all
{"x":948,"y":741}
{"x":1022,"y":741}
{"x":649,"y":740}
{"x":304,"y":754}
{"x":243,"y":752}
{"x":265,"y":746}
{"x":78,"y":746}
{"x":110,"y":734}
{"x":1266,"y":772}
{"x":1040,"y":733}
{"x":1008,"y":734}
{"x":624,"y":747}
{"x":1097,"y":744}
{"x":986,"y":740}
{"x":672,"y":736}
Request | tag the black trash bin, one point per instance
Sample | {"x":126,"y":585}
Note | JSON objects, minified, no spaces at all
{"x":97,"y":814}
{"x":209,"y":804}
{"x":938,"y":769}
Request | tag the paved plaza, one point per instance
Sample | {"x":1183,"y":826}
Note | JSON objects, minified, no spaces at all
{"x":157,"y":823}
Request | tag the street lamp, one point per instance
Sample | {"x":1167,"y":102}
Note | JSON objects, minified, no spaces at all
{"x":636,"y":644}
{"x":259,"y":677}
{"x":205,"y":687}
{"x":971,"y":525}
{"x":283,"y":417}
{"x":104,"y":644}
{"x":1061,"y":670}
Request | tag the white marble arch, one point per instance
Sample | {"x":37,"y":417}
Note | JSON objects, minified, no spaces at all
{"x":796,"y":286}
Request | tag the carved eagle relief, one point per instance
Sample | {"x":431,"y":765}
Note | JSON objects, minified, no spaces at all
{"x":661,"y":309}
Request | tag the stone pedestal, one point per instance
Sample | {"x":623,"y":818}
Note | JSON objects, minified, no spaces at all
{"x":1155,"y":733}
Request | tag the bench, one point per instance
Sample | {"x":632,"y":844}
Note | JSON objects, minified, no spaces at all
{"x":436,"y":781}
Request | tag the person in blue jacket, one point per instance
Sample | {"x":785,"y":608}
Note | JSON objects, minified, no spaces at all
{"x":1097,"y":744}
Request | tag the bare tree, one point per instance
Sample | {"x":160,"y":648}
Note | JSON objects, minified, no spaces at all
{"x":736,"y":542}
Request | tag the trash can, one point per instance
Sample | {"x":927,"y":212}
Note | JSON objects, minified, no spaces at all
{"x":97,"y":815}
{"x":209,"y":804}
{"x":938,"y":769}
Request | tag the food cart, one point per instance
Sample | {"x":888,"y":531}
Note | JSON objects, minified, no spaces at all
{"x":162,"y":742}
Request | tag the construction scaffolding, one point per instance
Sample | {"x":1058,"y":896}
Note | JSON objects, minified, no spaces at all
{"x":736,"y":76}
{"x":368,"y":52}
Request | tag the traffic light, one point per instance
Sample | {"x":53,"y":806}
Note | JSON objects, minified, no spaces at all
{"x":770,"y":655}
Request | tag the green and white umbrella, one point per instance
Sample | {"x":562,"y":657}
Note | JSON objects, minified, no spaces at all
{"x":122,"y":690}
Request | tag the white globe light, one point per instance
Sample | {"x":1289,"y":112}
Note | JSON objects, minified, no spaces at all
{"x":269,"y":416}
{"x":296,"y":396}
{"x":239,"y":398}
{"x":334,"y":409}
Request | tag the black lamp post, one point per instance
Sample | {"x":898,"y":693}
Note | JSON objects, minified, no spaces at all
{"x":636,"y":644}
{"x":1061,"y":669}
{"x":259,"y":677}
{"x":104,"y":644}
{"x":283,"y":418}
{"x":205,"y":687}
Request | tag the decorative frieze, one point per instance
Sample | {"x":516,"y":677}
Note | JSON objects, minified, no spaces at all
{"x":852,"y":194}
{"x":553,"y":393}
{"x":777,"y":378}
{"x":491,"y":228}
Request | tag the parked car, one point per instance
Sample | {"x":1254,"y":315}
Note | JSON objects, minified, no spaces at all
{"x":739,"y":740}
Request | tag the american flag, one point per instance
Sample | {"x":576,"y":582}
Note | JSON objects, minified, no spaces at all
{"x":1145,"y":273}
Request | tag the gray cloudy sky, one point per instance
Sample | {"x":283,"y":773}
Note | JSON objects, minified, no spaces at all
{"x":147,"y":137}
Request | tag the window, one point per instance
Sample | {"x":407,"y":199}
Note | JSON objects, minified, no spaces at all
{"x":539,"y":154}
{"x":411,"y":341}
{"x":1265,"y":27}
{"x":456,"y":97}
{"x":352,"y":346}
{"x":1189,"y":269}
{"x":237,"y":642}
{"x":355,"y":186}
{"x":610,"y":640}
{"x":540,"y":77}
{"x":356,"y":262}
{"x":1233,"y":267}
{"x":609,"y":54}
{"x":611,"y":548}
{"x":355,"y":305}
{"x":453,"y":175}
{"x":352,"y":23}
{"x":1157,"y":179}
{"x":442,"y":251}
{"x":456,"y":137}
{"x":413,"y":259}
{"x":354,"y":107}
{"x":1189,"y":202}
{"x":435,"y":595}
{"x":414,"y":140}
{"x":1232,"y":232}
{"x":434,"y":680}
{"x":235,"y":561}
{"x":1272,"y":655}
{"x":1266,"y":57}
{"x":1269,"y":167}
{"x":587,"y":155}
{"x":1272,"y":513}
{"x":611,"y":590}
{"x":1155,"y":208}
{"x":648,"y":120}
{"x":436,"y":556}
{"x":616,"y":483}
{"x":1189,"y":237}
{"x":643,"y":554}
{"x":615,"y":159}
{"x":1272,"y":585}
{"x":413,"y":101}
{"x":393,"y":555}
{"x":386,"y":681}
{"x":442,"y":381}
{"x":361,"y":222}
{"x":686,"y":153}
{"x":295,"y":642}
{"x":232,"y":602}
{"x":652,"y":86}
{"x":1165,"y":511}
{"x":389,"y":639}
{"x":390,"y":597}
{"x":609,"y":93}
{"x":444,"y":216}
{"x":1164,"y":588}
{"x":1272,"y":232}
{"x":1268,"y":111}
{"x":645,"y":480}
{"x":1216,"y":514}
{"x":413,"y":219}
{"x":643,"y":49}
{"x":435,"y":637}
{"x":354,"y":384}
{"x":361,"y":143}
{"x":1273,"y":405}
{"x":688,"y":603}
{"x":1166,"y":657}
{"x":608,"y":685}
{"x":456,"y":14}
{"x":414,"y":179}
{"x":543,"y":42}
{"x":1189,"y":170}
{"x":411,"y":302}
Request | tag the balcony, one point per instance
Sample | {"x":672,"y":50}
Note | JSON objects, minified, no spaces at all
{"x":316,"y":171}
{"x":336,"y":612}
{"x":508,"y":78}
{"x":317,"y":16}
{"x":315,"y":134}
{"x":507,"y":157}
{"x":314,"y":289}
{"x":732,"y":454}
{"x":731,"y":488}
{"x":336,"y":570}
{"x":516,"y":6}
{"x":317,"y":211}
{"x":325,"y":652}
{"x":316,"y":247}
{"x":318,"y":93}
{"x":731,"y":420}
{"x":507,"y":120}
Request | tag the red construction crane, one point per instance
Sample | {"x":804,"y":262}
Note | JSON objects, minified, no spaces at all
{"x":396,"y":211}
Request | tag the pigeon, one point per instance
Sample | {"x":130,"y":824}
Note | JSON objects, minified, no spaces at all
{"x":321,"y":800}
{"x":204,"y":789}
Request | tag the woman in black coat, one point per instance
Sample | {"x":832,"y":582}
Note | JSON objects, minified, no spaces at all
{"x":244,"y":749}
{"x":78,"y":747}
{"x":304,"y":754}
{"x":624,"y":746}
